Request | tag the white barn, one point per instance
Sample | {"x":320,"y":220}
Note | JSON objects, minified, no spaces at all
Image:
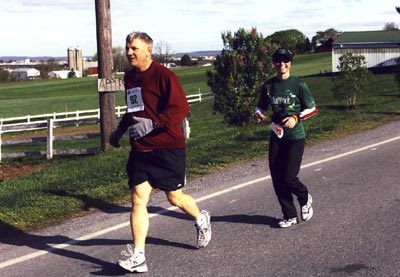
{"x":380,"y":48}
{"x":25,"y":73}
{"x":63,"y":74}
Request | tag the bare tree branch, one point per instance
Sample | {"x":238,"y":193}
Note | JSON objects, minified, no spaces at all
{"x":162,"y":52}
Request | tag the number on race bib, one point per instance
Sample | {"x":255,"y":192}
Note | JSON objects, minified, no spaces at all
{"x":134,"y":100}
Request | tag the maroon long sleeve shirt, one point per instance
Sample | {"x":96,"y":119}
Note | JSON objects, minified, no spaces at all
{"x":156,"y":94}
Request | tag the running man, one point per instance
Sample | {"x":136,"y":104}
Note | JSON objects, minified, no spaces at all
{"x":156,"y":107}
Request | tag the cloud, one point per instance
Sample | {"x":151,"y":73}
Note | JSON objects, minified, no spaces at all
{"x":65,"y":4}
{"x":47,"y":27}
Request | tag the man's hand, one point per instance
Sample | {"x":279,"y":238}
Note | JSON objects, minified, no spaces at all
{"x":115,"y":137}
{"x":141,"y":128}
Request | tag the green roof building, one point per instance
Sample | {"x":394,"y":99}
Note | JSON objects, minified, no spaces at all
{"x":380,"y":48}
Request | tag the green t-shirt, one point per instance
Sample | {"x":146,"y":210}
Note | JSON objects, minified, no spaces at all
{"x":286,"y":98}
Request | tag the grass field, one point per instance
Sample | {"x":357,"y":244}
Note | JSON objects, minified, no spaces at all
{"x":48,"y":96}
{"x":309,"y":65}
{"x":68,"y":186}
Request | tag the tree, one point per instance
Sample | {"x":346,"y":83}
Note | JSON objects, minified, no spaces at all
{"x":239,"y":71}
{"x":291,"y":39}
{"x":4,"y":76}
{"x":162,"y":52}
{"x":390,"y":26}
{"x":397,"y":74}
{"x":397,"y":68}
{"x":353,"y":78}
{"x":323,"y":36}
{"x":119,"y":59}
{"x":307,"y":46}
{"x":322,"y":41}
{"x":46,"y":67}
{"x":186,"y":61}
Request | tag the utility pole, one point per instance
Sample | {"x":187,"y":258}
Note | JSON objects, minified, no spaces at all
{"x":106,"y":81}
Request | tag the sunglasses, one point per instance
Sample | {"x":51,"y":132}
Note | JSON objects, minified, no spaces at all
{"x":285,"y":60}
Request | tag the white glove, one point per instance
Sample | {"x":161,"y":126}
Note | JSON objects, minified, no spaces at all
{"x":140,"y":129}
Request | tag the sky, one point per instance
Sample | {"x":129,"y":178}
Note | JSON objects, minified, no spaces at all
{"x":48,"y":28}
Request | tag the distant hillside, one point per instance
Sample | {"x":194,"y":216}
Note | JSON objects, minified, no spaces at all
{"x":45,"y":58}
{"x":39,"y":58}
{"x":200,"y":53}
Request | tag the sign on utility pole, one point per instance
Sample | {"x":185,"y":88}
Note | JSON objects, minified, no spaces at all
{"x":105,"y":71}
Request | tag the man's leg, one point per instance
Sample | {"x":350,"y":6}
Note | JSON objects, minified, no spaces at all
{"x":187,"y":204}
{"x":139,"y":226}
{"x":139,"y":215}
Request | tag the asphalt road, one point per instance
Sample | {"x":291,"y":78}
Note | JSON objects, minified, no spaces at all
{"x":354,"y":182}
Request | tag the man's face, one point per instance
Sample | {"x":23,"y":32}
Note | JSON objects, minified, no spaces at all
{"x":138,"y":53}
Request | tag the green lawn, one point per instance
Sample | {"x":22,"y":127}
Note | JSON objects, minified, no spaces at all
{"x":70,"y":186}
{"x":306,"y":65}
{"x":48,"y":96}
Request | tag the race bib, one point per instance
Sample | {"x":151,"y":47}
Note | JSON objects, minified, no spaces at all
{"x":277,"y":129}
{"x":134,"y":100}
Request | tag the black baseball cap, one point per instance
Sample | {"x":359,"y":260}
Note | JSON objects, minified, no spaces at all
{"x":282,"y":54}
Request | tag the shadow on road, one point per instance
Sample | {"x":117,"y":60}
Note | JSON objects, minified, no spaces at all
{"x":248,"y":219}
{"x":46,"y":243}
{"x":49,"y":243}
{"x":236,"y":218}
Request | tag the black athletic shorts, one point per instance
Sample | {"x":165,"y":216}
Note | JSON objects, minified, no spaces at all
{"x":164,"y":169}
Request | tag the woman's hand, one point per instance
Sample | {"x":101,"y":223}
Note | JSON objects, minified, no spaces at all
{"x":258,"y":117}
{"x":289,"y":122}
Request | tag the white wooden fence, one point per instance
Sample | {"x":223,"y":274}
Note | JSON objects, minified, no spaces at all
{"x":50,"y":138}
{"x":53,"y":120}
{"x":23,"y":123}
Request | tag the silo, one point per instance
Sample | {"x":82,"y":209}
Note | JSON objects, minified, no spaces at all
{"x":71,"y":58}
{"x":75,"y":59}
{"x":78,"y":60}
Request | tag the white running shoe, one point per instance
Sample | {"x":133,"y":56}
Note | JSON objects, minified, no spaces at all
{"x":204,"y":231}
{"x":307,"y":210}
{"x":135,"y":263}
{"x":285,"y":223}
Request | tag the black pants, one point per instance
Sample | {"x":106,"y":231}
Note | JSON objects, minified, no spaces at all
{"x":284,"y":162}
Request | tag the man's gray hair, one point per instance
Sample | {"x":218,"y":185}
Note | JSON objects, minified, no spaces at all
{"x":139,"y":35}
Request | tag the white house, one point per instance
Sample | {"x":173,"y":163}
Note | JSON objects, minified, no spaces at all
{"x":380,"y":48}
